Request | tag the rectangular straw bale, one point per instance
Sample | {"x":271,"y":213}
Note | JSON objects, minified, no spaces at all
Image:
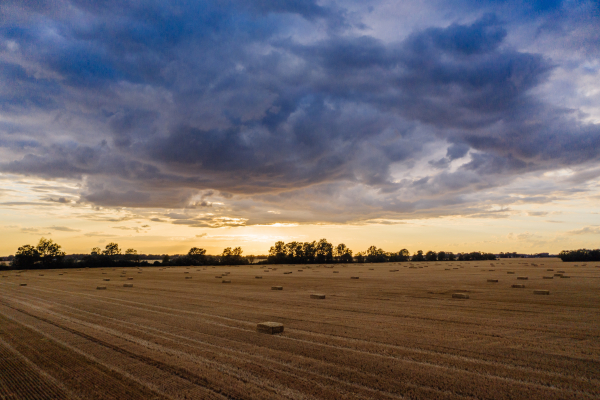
{"x":188,"y":277}
{"x":548,"y":277}
{"x":276,"y":287}
{"x":518,"y":286}
{"x":371,"y":269}
{"x":561,"y":272}
{"x":129,"y":279}
{"x":546,"y":292}
{"x":270,"y":328}
{"x":510,"y":272}
{"x":128,"y":285}
{"x":22,"y":284}
{"x":522,"y":278}
{"x":565,"y":276}
{"x":101,"y":288}
{"x":317,"y":296}
{"x":460,"y":296}
{"x":492,"y":280}
{"x":354,"y":277}
{"x":258,"y":277}
{"x":218,"y":276}
{"x":558,"y":274}
{"x":225,"y":281}
{"x":336,"y":272}
{"x":550,"y":269}
{"x":106,"y":280}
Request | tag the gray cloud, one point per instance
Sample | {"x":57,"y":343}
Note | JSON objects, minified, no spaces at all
{"x":235,"y":108}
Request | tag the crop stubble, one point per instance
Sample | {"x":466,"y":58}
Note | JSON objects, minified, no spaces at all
{"x":387,"y":336}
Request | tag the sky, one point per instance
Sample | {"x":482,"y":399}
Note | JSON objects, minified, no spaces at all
{"x":427,"y":125}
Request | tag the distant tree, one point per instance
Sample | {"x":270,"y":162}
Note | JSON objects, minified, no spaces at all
{"x":418,"y":256}
{"x":112,"y":249}
{"x":450,"y":256}
{"x":360,"y":257}
{"x":251,"y":258}
{"x":50,"y":252}
{"x":431,"y":256}
{"x":166,"y":259}
{"x":343,"y":253}
{"x":132,"y":255}
{"x":26,"y":256}
{"x":441,"y":256}
{"x":324,"y":251}
{"x":309,"y":252}
{"x":376,"y":255}
{"x":96,"y":251}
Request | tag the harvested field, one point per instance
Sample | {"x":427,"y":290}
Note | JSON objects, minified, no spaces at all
{"x":386,"y":336}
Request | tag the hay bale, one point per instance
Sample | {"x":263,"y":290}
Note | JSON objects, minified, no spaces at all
{"x":129,"y":279}
{"x":22,"y":284}
{"x":460,"y":296}
{"x":276,"y":287}
{"x":270,"y":328}
{"x":561,"y":272}
{"x":354,"y":277}
{"x":299,"y":270}
{"x":225,"y":281}
{"x":336,"y":272}
{"x":218,"y":276}
{"x":543,"y":292}
{"x":493,"y":280}
{"x":101,"y":288}
{"x":522,"y":278}
{"x":317,"y":296}
{"x":106,"y":280}
{"x":548,"y":277}
{"x":550,"y":269}
{"x":491,"y":270}
{"x":258,"y":277}
{"x":558,"y":274}
{"x":446,"y":269}
{"x":371,"y":269}
{"x":188,"y":277}
{"x":186,"y":272}
{"x":565,"y":276}
{"x":518,"y":286}
{"x":128,"y":285}
{"x":510,"y":272}
{"x":121,"y":276}
{"x":287,"y":273}
{"x":266,"y":270}
{"x":41,"y":274}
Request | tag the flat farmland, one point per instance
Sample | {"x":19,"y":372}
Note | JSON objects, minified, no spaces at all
{"x":396,"y":332}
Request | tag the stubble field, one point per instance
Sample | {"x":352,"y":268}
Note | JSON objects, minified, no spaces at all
{"x":385,"y":335}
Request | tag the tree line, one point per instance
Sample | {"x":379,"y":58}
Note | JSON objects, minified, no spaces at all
{"x":580,"y":255}
{"x":48,"y":254}
{"x":324,"y":252}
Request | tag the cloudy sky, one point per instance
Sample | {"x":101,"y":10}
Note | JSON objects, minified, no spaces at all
{"x":459,"y":126}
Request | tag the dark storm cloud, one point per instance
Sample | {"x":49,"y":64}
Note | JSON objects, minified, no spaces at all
{"x":152,"y":102}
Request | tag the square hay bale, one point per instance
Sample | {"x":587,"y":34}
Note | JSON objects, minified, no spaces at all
{"x":561,"y":272}
{"x":276,"y":287}
{"x":219,"y":276}
{"x":510,"y":272}
{"x":129,"y":279}
{"x":188,"y":277}
{"x":493,"y":280}
{"x":226,"y":281}
{"x":518,"y":286}
{"x":336,"y":272}
{"x":186,"y":272}
{"x":270,"y":328}
{"x":317,"y":296}
{"x":128,"y":285}
{"x":258,"y":277}
{"x":550,"y":269}
{"x":543,"y":292}
{"x":354,"y":277}
{"x":491,"y":270}
{"x":266,"y":270}
{"x":121,"y":276}
{"x":565,"y":276}
{"x":446,"y":269}
{"x":101,"y":288}
{"x":548,"y":277}
{"x":522,"y":278}
{"x":460,"y":296}
{"x":287,"y":273}
{"x":41,"y":274}
{"x":299,"y":270}
{"x":371,"y":269}
{"x":106,"y":280}
{"x":22,"y":284}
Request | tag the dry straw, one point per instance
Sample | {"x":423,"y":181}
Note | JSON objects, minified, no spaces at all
{"x":128,"y":285}
{"x":106,"y":280}
{"x":270,"y":328}
{"x":258,"y":277}
{"x":276,"y":287}
{"x":460,"y":296}
{"x":101,"y":288}
{"x":548,"y":277}
{"x":354,"y":277}
{"x":225,"y":281}
{"x":565,"y":276}
{"x":545,"y":292}
{"x":188,"y":277}
{"x":522,"y":278}
{"x":317,"y":296}
{"x":492,"y":280}
{"x":22,"y":284}
{"x":129,"y":279}
{"x":518,"y":286}
{"x":336,"y":272}
{"x":510,"y":272}
{"x":218,"y":277}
